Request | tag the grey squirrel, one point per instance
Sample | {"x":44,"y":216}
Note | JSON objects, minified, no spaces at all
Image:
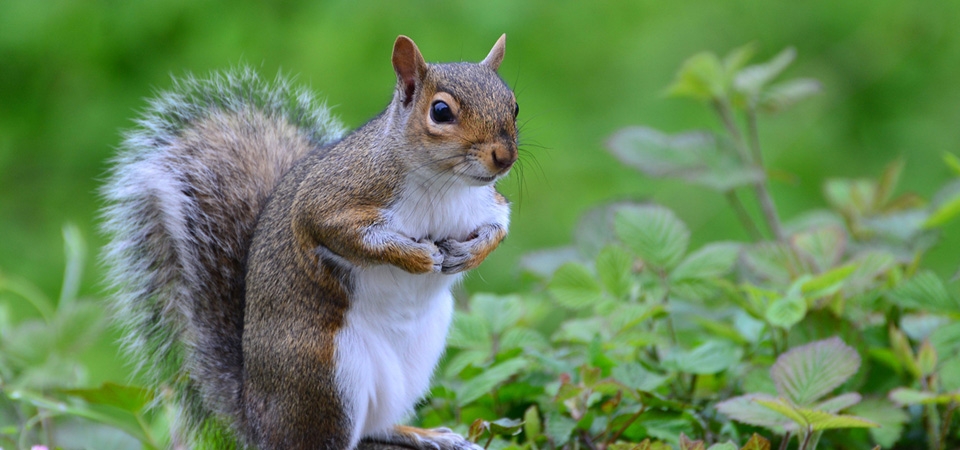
{"x":288,"y":288}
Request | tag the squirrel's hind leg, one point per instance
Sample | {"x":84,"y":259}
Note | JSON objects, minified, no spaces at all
{"x":417,"y":438}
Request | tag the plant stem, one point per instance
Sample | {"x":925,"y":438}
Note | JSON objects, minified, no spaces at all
{"x":933,"y":427}
{"x":744,"y":217}
{"x":643,"y":409}
{"x":786,"y":441}
{"x":723,"y":110}
{"x":760,"y":187}
{"x":769,"y":209}
{"x":947,"y":419}
{"x":754,"y":135}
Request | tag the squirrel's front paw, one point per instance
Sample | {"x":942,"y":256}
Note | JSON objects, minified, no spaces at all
{"x":456,"y":255}
{"x":465,"y":255}
{"x":436,"y":255}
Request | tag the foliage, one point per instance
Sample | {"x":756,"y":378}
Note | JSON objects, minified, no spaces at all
{"x":42,"y":395}
{"x":821,"y":327}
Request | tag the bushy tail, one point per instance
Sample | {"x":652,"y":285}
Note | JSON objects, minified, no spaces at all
{"x":183,"y":198}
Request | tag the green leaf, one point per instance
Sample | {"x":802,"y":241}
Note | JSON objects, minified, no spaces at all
{"x":654,"y":233}
{"x":746,"y":409}
{"x":907,"y":396}
{"x":615,"y":269}
{"x":838,"y":403}
{"x":827,"y":283}
{"x":708,"y":358}
{"x":723,"y":446}
{"x":692,"y":156}
{"x":737,"y":58}
{"x":128,"y":398}
{"x":464,"y":359}
{"x":521,"y":337}
{"x":628,"y":315}
{"x":946,"y":340}
{"x":944,"y":213}
{"x":904,"y":352}
{"x":787,"y":311}
{"x":821,"y":247}
{"x":105,"y":414}
{"x":813,"y":419}
{"x":752,"y":79}
{"x":559,"y":428}
{"x":574,"y":287}
{"x":710,"y":261}
{"x":776,"y":264}
{"x":469,"y":331}
{"x":786,"y":94}
{"x":890,"y":418}
{"x":483,"y":383}
{"x":506,"y":427}
{"x":925,"y":292}
{"x":531,"y":423}
{"x":498,"y":312}
{"x":926,"y":359}
{"x":808,"y":372}
{"x":635,"y":376}
{"x":75,"y":250}
{"x":952,"y":162}
{"x":701,"y":77}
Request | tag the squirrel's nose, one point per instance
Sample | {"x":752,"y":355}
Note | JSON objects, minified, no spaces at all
{"x":503,"y":157}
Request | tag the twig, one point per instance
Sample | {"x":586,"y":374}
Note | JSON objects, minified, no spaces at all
{"x":754,"y":134}
{"x":643,"y":409}
{"x":744,"y":216}
{"x":769,"y":209}
{"x":723,"y":109}
{"x":786,"y":441}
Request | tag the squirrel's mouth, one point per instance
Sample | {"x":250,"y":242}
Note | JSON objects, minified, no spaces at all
{"x":485,"y":180}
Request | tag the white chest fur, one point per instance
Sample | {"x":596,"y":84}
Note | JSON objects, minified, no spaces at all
{"x":397,"y":323}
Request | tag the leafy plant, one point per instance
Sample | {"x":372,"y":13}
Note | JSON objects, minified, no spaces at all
{"x":43,"y":398}
{"x":635,"y":340}
{"x":803,"y":376}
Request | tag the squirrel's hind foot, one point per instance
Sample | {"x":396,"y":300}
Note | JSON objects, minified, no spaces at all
{"x":419,"y":439}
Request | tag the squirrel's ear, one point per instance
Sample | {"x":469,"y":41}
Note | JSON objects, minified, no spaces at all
{"x":409,"y":65}
{"x":495,"y":57}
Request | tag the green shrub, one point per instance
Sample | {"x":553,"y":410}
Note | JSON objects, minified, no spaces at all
{"x":825,"y":327}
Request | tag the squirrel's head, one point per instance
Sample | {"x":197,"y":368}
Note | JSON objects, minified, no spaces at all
{"x":462,"y":114}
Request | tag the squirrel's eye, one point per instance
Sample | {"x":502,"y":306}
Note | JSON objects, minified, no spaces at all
{"x":440,"y":112}
{"x":516,"y":110}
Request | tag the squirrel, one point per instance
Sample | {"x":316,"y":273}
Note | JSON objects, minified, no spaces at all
{"x":289,"y":288}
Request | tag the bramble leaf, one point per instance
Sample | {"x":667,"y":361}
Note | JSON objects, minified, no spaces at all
{"x":890,"y":418}
{"x":752,"y":79}
{"x":784,"y":95}
{"x":654,"y":233}
{"x":786,"y":311}
{"x":925,"y":292}
{"x":574,"y":287}
{"x":615,"y":270}
{"x":483,"y":383}
{"x":710,"y":261}
{"x":808,"y":372}
{"x":707,"y":358}
{"x":701,"y":77}
{"x":746,"y":409}
{"x":692,"y":156}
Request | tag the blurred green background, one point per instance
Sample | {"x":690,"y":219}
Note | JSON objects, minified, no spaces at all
{"x":73,"y":75}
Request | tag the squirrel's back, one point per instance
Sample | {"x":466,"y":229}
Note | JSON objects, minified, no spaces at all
{"x":183,"y":200}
